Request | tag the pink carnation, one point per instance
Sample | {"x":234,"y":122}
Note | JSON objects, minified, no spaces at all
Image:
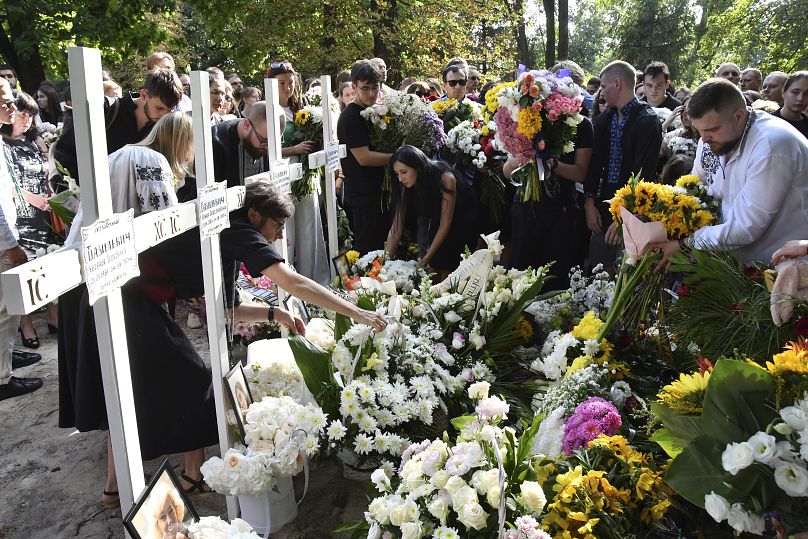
{"x":515,"y":144}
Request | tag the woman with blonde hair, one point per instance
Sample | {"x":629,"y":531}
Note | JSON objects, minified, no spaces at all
{"x":165,"y":514}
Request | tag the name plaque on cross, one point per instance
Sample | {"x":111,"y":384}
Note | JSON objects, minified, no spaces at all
{"x":332,"y":157}
{"x":213,"y":213}
{"x":280,"y":175}
{"x":109,"y":254}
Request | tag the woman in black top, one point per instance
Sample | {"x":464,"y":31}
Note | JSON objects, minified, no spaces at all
{"x":795,"y":99}
{"x":442,"y":203}
{"x":47,"y":97}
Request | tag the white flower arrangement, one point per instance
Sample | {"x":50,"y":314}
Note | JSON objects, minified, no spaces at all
{"x":276,"y":379}
{"x":682,"y":145}
{"x":320,"y":331}
{"x":464,"y":139}
{"x":216,"y":528}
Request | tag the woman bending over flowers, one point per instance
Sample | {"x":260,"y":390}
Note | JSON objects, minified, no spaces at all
{"x":443,"y":206}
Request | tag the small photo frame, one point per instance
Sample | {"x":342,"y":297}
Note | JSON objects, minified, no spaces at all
{"x":162,"y":510}
{"x":297,"y":307}
{"x":240,"y":397}
{"x":341,"y":265}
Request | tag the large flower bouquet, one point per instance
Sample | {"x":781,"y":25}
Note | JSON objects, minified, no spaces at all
{"x":537,"y":117}
{"x":681,"y":210}
{"x":469,"y":488}
{"x":743,"y":457}
{"x":280,"y":435}
{"x":404,"y":274}
{"x":404,"y":118}
{"x":308,"y":125}
{"x":452,"y":113}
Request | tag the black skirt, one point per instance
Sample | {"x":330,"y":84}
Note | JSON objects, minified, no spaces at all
{"x":171,"y":384}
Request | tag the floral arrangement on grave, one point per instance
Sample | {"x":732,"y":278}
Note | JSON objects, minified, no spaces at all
{"x":648,"y":212}
{"x":473,"y":487}
{"x":739,"y":442}
{"x":216,"y":528}
{"x":280,"y":435}
{"x":403,"y":119}
{"x":405,"y":274}
{"x":537,"y":118}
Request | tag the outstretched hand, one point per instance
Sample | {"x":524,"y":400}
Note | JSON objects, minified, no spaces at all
{"x":791,"y":249}
{"x":375,"y":320}
{"x":294,"y":324}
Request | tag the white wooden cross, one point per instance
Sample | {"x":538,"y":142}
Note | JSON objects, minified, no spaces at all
{"x":40,"y":281}
{"x":329,"y":157}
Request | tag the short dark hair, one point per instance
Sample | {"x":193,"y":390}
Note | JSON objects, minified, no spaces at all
{"x":453,"y":68}
{"x":715,"y":94}
{"x":166,"y":85}
{"x":364,"y":70}
{"x":6,"y":67}
{"x":594,"y":81}
{"x":677,"y":166}
{"x":656,"y":68}
{"x":263,"y":197}
{"x":794,"y":77}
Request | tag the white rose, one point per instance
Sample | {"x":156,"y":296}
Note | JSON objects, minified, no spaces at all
{"x":492,"y":496}
{"x":484,"y":480}
{"x":795,"y":417}
{"x":464,"y":496}
{"x":398,"y":515}
{"x":764,"y":447}
{"x":439,"y":509}
{"x":375,"y":532}
{"x":208,"y":527}
{"x":380,"y":479}
{"x":743,"y":521}
{"x":479,"y":390}
{"x":440,"y":478}
{"x":411,"y":530}
{"x":379,"y":511}
{"x":736,"y":457}
{"x":792,"y":478}
{"x":472,"y":516}
{"x":453,"y":484}
{"x":717,"y":506}
{"x":532,"y":496}
{"x":451,"y":317}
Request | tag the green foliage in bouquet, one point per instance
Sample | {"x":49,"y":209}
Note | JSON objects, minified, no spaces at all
{"x":318,"y":373}
{"x":724,"y":307}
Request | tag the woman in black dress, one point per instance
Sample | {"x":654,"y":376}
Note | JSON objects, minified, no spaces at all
{"x":442,"y":203}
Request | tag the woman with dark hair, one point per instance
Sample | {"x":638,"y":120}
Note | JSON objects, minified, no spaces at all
{"x":440,"y":201}
{"x":795,"y":101}
{"x":306,"y":236}
{"x":682,"y":140}
{"x":47,"y":97}
{"x":419,"y":88}
{"x":29,"y":166}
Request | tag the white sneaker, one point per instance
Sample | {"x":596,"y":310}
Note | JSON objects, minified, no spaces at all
{"x":193,"y":321}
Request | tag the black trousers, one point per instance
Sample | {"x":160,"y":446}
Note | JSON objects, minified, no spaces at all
{"x":540,"y":235}
{"x":369,"y":222}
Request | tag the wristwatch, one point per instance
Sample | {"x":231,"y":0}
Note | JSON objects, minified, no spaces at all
{"x":552,"y":163}
{"x":271,"y":314}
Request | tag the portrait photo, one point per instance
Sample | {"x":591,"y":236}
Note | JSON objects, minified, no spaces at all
{"x":239,"y":395}
{"x":163,"y":511}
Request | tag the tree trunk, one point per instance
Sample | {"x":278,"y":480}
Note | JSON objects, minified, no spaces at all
{"x":27,"y":64}
{"x":522,"y":46}
{"x":384,"y":30}
{"x":549,"y":17}
{"x":328,"y":43}
{"x":563,"y":30}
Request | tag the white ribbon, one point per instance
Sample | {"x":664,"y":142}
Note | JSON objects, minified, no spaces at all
{"x":501,"y":487}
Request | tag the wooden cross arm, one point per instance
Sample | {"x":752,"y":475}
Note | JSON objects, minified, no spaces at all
{"x":318,"y":159}
{"x":38,"y":282}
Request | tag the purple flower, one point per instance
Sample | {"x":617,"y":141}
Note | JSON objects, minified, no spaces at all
{"x":435,"y":138}
{"x":591,"y":418}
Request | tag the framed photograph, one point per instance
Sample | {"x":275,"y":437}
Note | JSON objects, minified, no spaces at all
{"x":163,"y":510}
{"x":297,"y":307}
{"x":240,"y":397}
{"x":341,"y":265}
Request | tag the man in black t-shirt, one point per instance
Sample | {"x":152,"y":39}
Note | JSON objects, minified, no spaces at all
{"x":363,"y":167}
{"x":239,"y":144}
{"x":128,"y":119}
{"x":656,"y":81}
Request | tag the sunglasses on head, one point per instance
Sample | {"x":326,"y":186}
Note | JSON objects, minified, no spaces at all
{"x":454,"y":83}
{"x":283,"y":64}
{"x":474,"y":78}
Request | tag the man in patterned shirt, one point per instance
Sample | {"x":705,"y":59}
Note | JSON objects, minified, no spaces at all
{"x":628,"y":136}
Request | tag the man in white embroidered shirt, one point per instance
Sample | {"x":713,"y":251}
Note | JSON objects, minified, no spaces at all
{"x":757,"y":165}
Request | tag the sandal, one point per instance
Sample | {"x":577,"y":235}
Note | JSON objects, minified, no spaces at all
{"x":197,"y":485}
{"x":33,"y":342}
{"x":113,"y":503}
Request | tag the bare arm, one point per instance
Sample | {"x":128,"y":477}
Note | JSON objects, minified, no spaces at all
{"x":307,"y":290}
{"x":575,"y":172}
{"x":447,"y":206}
{"x":396,"y":230}
{"x":368,"y":158}
{"x":251,"y":312}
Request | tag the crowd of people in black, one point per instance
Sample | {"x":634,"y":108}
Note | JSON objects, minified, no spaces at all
{"x":746,"y":136}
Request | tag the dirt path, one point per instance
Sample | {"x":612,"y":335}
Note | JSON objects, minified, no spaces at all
{"x":51,"y":478}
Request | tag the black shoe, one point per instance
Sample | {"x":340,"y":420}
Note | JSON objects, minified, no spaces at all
{"x":20,"y":359}
{"x":33,"y":342}
{"x":52,"y":329}
{"x":19,"y":386}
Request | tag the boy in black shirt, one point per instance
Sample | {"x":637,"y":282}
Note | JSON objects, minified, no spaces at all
{"x":363,"y":167}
